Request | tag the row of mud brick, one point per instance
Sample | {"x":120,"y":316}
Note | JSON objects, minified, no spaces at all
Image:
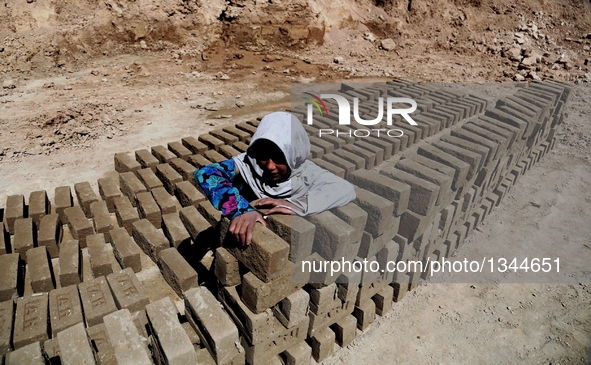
{"x":417,"y":208}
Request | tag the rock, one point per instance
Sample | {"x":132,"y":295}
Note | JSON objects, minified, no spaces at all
{"x":9,"y":84}
{"x":568,"y":66}
{"x":94,"y":72}
{"x":369,"y":36}
{"x":513,"y":53}
{"x":195,"y":105}
{"x":204,"y":56}
{"x":239,"y":103}
{"x":143,"y":44}
{"x":534,"y":76}
{"x":529,"y":61}
{"x":82,"y":130}
{"x":518,"y":77}
{"x":388,"y":44}
{"x":338,"y":59}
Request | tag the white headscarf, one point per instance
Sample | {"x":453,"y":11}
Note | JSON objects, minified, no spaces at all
{"x":309,"y":187}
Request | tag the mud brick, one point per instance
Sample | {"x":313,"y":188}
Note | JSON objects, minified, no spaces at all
{"x":509,"y":132}
{"x":477,"y":139}
{"x":195,"y":146}
{"x":323,"y":299}
{"x":30,"y":355}
{"x":383,"y":300}
{"x":175,"y":346}
{"x":207,"y":210}
{"x":5,"y":246}
{"x":423,"y":172}
{"x":149,"y":239}
{"x":126,"y":214}
{"x":228,"y":151}
{"x":322,"y":344}
{"x":162,"y":153}
{"x":266,"y":256}
{"x":125,"y":249}
{"x":15,"y":209}
{"x":149,"y":209}
{"x":374,"y":148}
{"x":65,"y":309}
{"x":70,"y":263}
{"x":393,"y":191}
{"x":127,"y":290}
{"x":423,"y":194}
{"x":199,"y":161}
{"x":11,"y":276}
{"x":438,"y":167}
{"x":75,"y":346}
{"x":214,"y":326}
{"x":38,"y":206}
{"x":248,"y":127}
{"x":483,"y":151}
{"x":62,"y":200}
{"x":412,"y":225}
{"x":40,"y":272}
{"x":101,"y":218}
{"x":345,"y":330}
{"x":121,"y":330}
{"x":326,"y":146}
{"x":125,"y":163}
{"x":368,"y":157}
{"x":98,"y":250}
{"x":187,"y":194}
{"x":86,"y":196}
{"x":333,"y":239}
{"x":100,"y":340}
{"x":240,"y":146}
{"x":338,"y":171}
{"x":287,"y":337}
{"x":227,"y":138}
{"x":489,"y":131}
{"x":474,"y":160}
{"x":109,"y":190}
{"x":215,"y":156}
{"x":194,"y":222}
{"x":241,"y":134}
{"x":50,"y":234}
{"x":30,"y":320}
{"x":256,"y":328}
{"x":296,"y":231}
{"x":146,"y":159}
{"x":226,"y":267}
{"x":97,"y":300}
{"x":299,"y":354}
{"x":259,"y":295}
{"x":293,"y":309}
{"x":316,"y":152}
{"x":211,"y":141}
{"x":447,"y":216}
{"x":149,"y":179}
{"x":461,"y":168}
{"x":348,"y":286}
{"x":510,"y":120}
{"x":6,"y":322}
{"x":357,"y":160}
{"x":175,"y":231}
{"x":379,"y":210}
{"x":24,"y":236}
{"x":131,"y":186}
{"x":340,"y":162}
{"x":168,"y":176}
{"x":180,"y":150}
{"x":185,"y":169}
{"x":365,"y":314}
{"x":176,"y":270}
{"x":400,"y":286}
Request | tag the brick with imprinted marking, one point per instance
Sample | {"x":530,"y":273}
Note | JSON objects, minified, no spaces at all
{"x":149,"y":209}
{"x":146,"y":159}
{"x":124,"y":163}
{"x":86,"y":196}
{"x":15,"y":209}
{"x":101,"y":218}
{"x":180,"y":150}
{"x":130,"y":186}
{"x":40,"y":272}
{"x":197,"y":147}
{"x":127,"y":290}
{"x":98,"y":251}
{"x":169,"y":334}
{"x":62,"y":200}
{"x":39,"y":206}
{"x":97,"y":300}
{"x":149,"y":179}
{"x":176,"y":270}
{"x":129,"y":348}
{"x":75,"y":347}
{"x":266,"y":256}
{"x":11,"y":276}
{"x":70,"y":263}
{"x":149,"y":239}
{"x":126,"y":214}
{"x":126,"y":251}
{"x":214,"y":326}
{"x":30,"y":320}
{"x":65,"y":308}
{"x":109,"y":190}
{"x":165,"y":201}
{"x":24,"y":236}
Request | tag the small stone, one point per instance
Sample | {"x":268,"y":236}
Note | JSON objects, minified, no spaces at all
{"x":9,"y":84}
{"x":338,"y":59}
{"x":195,"y":105}
{"x":388,"y":44}
{"x":94,"y":72}
{"x":369,"y":36}
{"x":143,"y":44}
{"x":204,"y":56}
{"x":239,"y":103}
{"x":82,"y":130}
{"x":518,"y":77}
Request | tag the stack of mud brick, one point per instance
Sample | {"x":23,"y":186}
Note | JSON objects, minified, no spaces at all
{"x":63,"y":298}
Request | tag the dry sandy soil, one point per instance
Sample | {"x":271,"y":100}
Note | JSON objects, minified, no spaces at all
{"x":82,"y":80}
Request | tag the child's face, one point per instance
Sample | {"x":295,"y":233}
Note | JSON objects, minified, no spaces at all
{"x":272,"y":161}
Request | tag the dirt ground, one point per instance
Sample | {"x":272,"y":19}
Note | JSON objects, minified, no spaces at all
{"x":83,"y":80}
